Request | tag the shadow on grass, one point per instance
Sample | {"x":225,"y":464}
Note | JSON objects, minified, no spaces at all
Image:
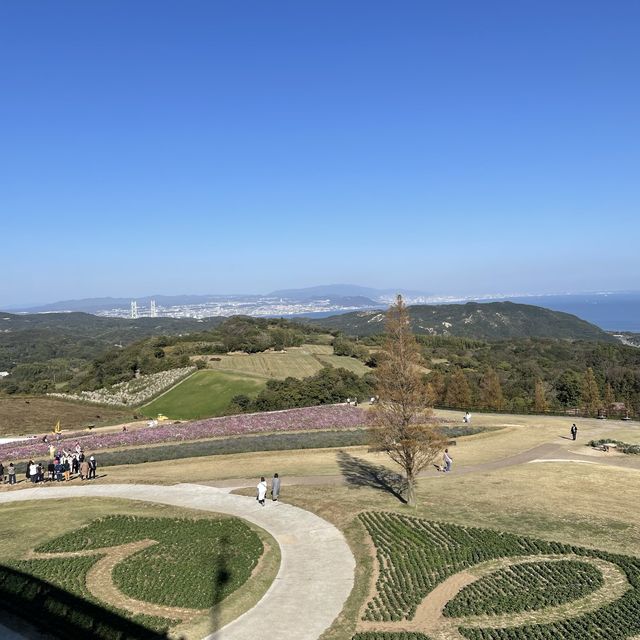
{"x":361,"y":473}
{"x":61,"y":614}
{"x":221,"y":577}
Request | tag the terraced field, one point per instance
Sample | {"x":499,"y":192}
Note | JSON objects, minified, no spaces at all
{"x":297,"y":362}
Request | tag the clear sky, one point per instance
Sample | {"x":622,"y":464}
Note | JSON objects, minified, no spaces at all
{"x":214,"y":147}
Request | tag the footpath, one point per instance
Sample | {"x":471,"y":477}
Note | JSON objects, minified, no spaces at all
{"x":317,"y":567}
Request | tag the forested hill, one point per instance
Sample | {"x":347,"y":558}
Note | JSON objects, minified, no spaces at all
{"x":42,"y":336}
{"x":484,"y":321}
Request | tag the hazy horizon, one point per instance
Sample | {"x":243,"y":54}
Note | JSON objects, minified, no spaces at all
{"x":458,"y":149}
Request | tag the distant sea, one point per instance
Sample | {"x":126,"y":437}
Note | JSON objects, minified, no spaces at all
{"x":609,"y":311}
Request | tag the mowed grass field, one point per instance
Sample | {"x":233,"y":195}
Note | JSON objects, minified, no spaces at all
{"x":28,"y":415}
{"x":205,"y":393}
{"x":296,"y":362}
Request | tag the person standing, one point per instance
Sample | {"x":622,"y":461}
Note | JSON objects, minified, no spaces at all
{"x":262,"y":491}
{"x":574,"y":431}
{"x":84,"y":470}
{"x":1,"y":473}
{"x":12,"y":474}
{"x":447,"y":459}
{"x":275,"y":487}
{"x":93,"y":465}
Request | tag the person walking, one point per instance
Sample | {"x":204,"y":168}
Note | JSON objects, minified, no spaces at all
{"x":93,"y":465}
{"x":275,"y":487}
{"x":262,"y":491}
{"x":574,"y":431}
{"x":447,"y":460}
{"x":12,"y":474}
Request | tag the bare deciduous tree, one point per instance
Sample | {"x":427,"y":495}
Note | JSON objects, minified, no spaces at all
{"x":402,"y":423}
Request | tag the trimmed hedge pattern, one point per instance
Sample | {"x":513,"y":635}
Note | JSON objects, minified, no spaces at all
{"x":526,"y":587}
{"x":415,"y":555}
{"x":196,"y":563}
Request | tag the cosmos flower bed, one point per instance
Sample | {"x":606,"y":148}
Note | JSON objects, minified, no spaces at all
{"x":309,"y":418}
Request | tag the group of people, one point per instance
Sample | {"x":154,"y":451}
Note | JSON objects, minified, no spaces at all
{"x":61,"y":467}
{"x":262,"y":489}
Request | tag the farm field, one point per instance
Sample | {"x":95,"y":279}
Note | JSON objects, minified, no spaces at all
{"x":205,"y":393}
{"x":297,"y":362}
{"x":185,"y":549}
{"x":37,"y":414}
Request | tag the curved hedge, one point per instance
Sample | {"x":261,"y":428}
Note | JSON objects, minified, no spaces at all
{"x":526,"y":587}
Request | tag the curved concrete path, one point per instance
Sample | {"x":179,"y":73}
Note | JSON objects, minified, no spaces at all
{"x":316,"y":571}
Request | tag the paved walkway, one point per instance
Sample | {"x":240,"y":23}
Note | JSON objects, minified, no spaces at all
{"x":316,"y":571}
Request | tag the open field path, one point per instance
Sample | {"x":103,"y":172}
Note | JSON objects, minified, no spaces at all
{"x":547,"y":452}
{"x":317,"y":567}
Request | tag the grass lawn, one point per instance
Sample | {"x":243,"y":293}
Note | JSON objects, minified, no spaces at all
{"x":33,"y":414}
{"x":21,"y":532}
{"x":205,"y":393}
{"x":297,"y":362}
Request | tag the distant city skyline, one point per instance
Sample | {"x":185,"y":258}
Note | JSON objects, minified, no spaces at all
{"x":462,"y":149}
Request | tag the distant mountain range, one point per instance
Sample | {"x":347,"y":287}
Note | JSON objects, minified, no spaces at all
{"x":46,"y":336}
{"x":340,"y":295}
{"x":488,"y":321}
{"x":617,"y":311}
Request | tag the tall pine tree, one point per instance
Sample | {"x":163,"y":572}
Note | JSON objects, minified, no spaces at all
{"x":402,"y":424}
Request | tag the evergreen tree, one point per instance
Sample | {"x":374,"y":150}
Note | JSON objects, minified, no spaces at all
{"x":540,"y":398}
{"x":437,"y":388}
{"x":490,"y":391}
{"x":608,"y":398}
{"x":458,"y":391}
{"x":590,"y":393}
{"x":402,"y":426}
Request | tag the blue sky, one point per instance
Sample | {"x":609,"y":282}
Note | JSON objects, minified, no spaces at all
{"x":210,"y":147}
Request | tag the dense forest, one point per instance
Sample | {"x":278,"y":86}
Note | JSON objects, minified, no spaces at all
{"x":525,"y":375}
{"x":486,"y":321}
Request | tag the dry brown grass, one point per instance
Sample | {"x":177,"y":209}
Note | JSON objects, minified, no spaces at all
{"x":20,"y":415}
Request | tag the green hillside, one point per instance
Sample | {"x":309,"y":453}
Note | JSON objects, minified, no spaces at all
{"x":41,"y":337}
{"x":205,"y":393}
{"x":482,"y":321}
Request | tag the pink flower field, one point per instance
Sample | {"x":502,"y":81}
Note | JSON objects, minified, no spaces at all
{"x":309,"y":418}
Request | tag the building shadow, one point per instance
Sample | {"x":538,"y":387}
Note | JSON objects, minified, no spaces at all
{"x":220,"y":576}
{"x":60,"y":614}
{"x":361,"y":473}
